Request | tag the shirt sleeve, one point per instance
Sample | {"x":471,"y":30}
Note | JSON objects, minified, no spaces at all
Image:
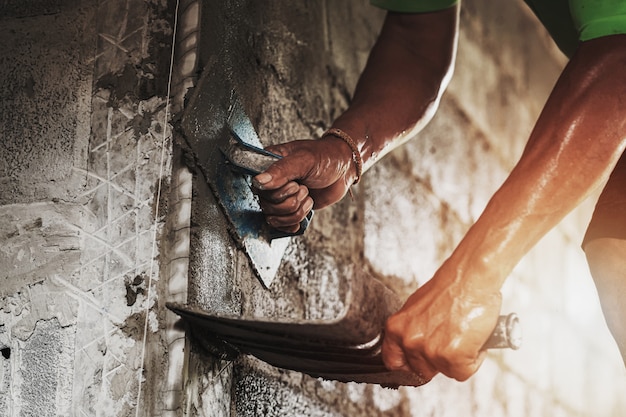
{"x":598,"y":18}
{"x":413,"y":6}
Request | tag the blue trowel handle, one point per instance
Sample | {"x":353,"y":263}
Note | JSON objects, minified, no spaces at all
{"x":251,"y":160}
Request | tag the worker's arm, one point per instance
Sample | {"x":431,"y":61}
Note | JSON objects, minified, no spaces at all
{"x":576,"y":142}
{"x":397,"y":94}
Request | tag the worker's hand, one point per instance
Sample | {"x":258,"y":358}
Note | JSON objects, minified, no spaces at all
{"x":311,"y":174}
{"x":442,"y":327}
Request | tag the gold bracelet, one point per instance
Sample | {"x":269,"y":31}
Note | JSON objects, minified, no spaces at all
{"x":356,"y":155}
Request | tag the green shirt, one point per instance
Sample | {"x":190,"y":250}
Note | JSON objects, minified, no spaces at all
{"x":567,"y":21}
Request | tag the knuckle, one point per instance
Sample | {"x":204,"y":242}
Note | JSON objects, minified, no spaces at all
{"x":462,"y":376}
{"x":394,"y":361}
{"x":280,"y":149}
{"x":433,"y":353}
{"x":300,"y":212}
{"x":292,"y":205}
{"x":461,"y":372}
{"x":282,"y":208}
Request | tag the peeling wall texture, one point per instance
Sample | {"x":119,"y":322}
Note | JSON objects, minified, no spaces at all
{"x":106,"y":214}
{"x":85,"y":151}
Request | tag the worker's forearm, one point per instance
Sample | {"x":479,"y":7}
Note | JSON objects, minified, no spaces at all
{"x":577,"y":140}
{"x":527,"y":206}
{"x":406,"y":74}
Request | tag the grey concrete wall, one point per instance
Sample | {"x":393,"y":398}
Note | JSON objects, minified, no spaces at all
{"x":85,"y":155}
{"x":105,"y":218}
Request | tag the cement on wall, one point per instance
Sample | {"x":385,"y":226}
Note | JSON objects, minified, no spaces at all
{"x":85,"y":160}
{"x":44,"y":109}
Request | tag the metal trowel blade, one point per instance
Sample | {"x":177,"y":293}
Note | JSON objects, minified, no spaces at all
{"x":241,"y":125}
{"x":212,"y":112}
{"x":264,"y":248}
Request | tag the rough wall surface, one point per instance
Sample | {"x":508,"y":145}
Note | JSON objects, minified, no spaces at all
{"x":84,"y":149}
{"x":101,"y":224}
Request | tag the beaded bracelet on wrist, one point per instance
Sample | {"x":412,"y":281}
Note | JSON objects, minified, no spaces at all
{"x":356,"y":155}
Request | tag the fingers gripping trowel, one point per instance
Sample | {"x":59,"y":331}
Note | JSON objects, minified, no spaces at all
{"x":346,"y":348}
{"x":244,"y":154}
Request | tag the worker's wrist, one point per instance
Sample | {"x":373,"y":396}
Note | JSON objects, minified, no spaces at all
{"x":342,"y":141}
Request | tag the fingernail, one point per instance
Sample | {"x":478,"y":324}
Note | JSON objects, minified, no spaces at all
{"x":262,"y":179}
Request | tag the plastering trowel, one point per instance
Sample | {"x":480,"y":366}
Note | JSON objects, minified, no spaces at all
{"x":247,"y":157}
{"x":345,"y":348}
{"x":228,"y":151}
